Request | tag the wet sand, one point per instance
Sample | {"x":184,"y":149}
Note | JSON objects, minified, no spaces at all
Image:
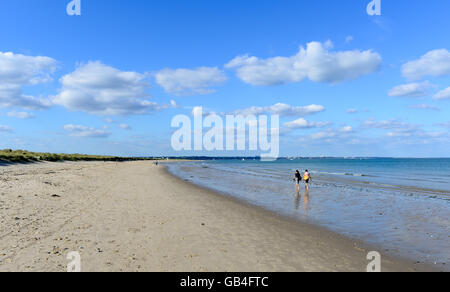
{"x":135,"y":216}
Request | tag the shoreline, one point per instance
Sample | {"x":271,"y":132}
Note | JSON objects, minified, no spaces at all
{"x":135,"y":216}
{"x":358,"y":244}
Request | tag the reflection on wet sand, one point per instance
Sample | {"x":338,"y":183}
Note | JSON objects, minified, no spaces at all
{"x":306,"y":202}
{"x":297,"y":200}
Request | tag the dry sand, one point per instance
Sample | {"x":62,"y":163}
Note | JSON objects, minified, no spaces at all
{"x":135,"y":216}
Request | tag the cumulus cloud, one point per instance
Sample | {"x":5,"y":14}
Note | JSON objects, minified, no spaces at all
{"x":283,"y":110}
{"x":323,"y":135}
{"x":356,"y":111}
{"x":445,"y":125}
{"x":401,"y":130}
{"x":443,"y":94}
{"x":346,"y":129}
{"x":198,"y":111}
{"x":17,"y":71}
{"x":174,"y":104}
{"x":125,"y":127}
{"x":388,"y":124}
{"x":411,"y":90}
{"x":425,"y":107}
{"x":103,"y":90}
{"x":315,"y":62}
{"x":82,"y":131}
{"x":416,"y":134}
{"x":5,"y":129}
{"x":304,"y":124}
{"x":434,"y":63}
{"x":20,"y":115}
{"x":190,"y":81}
{"x":396,"y":128}
{"x":331,"y":134}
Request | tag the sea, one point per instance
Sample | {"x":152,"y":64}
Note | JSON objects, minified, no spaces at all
{"x":400,"y":205}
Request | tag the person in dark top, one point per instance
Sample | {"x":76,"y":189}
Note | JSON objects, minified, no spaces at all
{"x":298,"y":179}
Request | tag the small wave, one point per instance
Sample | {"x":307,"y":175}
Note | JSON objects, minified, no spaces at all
{"x":345,"y":174}
{"x":357,"y":174}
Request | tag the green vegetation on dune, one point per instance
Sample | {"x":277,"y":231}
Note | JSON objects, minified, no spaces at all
{"x":22,"y":156}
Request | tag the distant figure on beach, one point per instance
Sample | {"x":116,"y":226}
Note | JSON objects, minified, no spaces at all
{"x":298,"y":179}
{"x":307,"y":178}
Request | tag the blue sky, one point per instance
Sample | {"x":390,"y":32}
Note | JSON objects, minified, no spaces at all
{"x":111,"y":80}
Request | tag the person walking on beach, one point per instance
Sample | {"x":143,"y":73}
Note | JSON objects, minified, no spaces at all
{"x":307,"y":178}
{"x":298,"y":179}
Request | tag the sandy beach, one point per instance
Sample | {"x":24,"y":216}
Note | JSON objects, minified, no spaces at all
{"x":135,"y":216}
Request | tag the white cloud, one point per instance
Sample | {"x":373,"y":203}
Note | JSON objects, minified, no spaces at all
{"x":174,"y":104}
{"x":17,"y":71}
{"x":125,"y":127}
{"x":20,"y":115}
{"x":406,"y":132}
{"x":411,"y":90}
{"x":399,"y":134}
{"x":346,"y":129}
{"x":443,"y":94}
{"x":198,"y":111}
{"x":283,"y":110}
{"x":82,"y":131}
{"x":304,"y":124}
{"x":315,"y":62}
{"x":425,"y":107}
{"x":323,"y":135}
{"x":343,"y":135}
{"x":349,"y":39}
{"x":416,"y":134}
{"x":445,"y":125}
{"x":352,"y":111}
{"x":201,"y":111}
{"x":5,"y":129}
{"x":100,"y":89}
{"x":433,"y":63}
{"x":190,"y":81}
{"x":330,"y":134}
{"x":388,"y":124}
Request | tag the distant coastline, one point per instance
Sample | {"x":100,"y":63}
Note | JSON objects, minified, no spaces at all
{"x":23,"y":156}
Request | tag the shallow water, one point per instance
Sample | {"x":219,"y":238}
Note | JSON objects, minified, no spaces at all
{"x":401,"y":205}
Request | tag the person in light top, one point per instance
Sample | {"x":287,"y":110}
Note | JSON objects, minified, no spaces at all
{"x":307,"y":178}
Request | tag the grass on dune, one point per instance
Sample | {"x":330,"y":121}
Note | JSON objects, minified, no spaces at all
{"x":23,"y":156}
